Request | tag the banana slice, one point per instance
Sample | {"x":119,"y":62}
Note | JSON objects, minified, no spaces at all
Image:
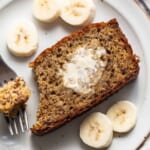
{"x":96,"y":130}
{"x":77,"y":12}
{"x":22,"y":39}
{"x":123,"y":115}
{"x":46,"y":10}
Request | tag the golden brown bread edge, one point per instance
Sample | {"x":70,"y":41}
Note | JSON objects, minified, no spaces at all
{"x":98,"y":100}
{"x":82,"y":31}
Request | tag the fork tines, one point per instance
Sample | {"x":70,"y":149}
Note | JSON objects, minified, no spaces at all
{"x":19,"y":123}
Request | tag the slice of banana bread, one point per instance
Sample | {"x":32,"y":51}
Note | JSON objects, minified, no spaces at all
{"x":80,"y":71}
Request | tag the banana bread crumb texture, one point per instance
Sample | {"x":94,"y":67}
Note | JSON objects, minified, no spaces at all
{"x":13,"y":95}
{"x":58,"y":103}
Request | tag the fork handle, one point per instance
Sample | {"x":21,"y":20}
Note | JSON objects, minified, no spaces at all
{"x":2,"y":61}
{"x":5,"y":68}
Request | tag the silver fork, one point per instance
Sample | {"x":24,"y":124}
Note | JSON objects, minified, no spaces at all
{"x":20,"y":122}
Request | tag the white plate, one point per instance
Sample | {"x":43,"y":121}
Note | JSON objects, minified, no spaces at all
{"x":137,"y":30}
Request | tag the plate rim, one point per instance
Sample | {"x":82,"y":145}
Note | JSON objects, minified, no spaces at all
{"x":143,"y":35}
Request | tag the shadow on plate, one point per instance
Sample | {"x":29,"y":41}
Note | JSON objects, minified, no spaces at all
{"x":57,"y":139}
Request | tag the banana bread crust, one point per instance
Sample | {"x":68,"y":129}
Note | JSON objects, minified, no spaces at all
{"x":81,"y":32}
{"x":43,"y":125}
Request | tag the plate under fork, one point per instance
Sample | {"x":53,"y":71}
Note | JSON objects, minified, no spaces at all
{"x":19,"y":123}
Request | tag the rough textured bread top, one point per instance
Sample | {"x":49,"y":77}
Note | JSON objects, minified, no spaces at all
{"x":13,"y":95}
{"x":59,"y":104}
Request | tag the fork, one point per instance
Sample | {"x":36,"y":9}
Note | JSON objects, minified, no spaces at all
{"x":20,"y":122}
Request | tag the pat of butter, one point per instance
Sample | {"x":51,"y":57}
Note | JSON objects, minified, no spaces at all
{"x":84,"y":69}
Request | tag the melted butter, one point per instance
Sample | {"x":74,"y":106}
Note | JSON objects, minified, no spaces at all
{"x":84,"y":69}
